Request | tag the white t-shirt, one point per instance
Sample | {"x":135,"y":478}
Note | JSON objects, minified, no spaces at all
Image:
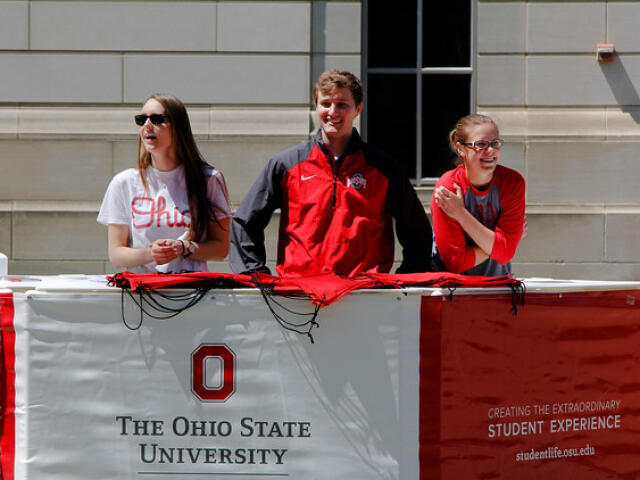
{"x":160,"y":212}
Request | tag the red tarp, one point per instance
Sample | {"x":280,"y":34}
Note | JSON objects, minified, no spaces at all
{"x":322,"y":289}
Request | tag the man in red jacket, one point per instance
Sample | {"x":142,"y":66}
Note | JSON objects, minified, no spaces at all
{"x":337,"y":196}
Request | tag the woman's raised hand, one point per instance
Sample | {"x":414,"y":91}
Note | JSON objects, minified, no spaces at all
{"x":449,"y":202}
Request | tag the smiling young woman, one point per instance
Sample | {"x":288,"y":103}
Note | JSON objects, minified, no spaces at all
{"x":172,"y":213}
{"x":478,"y":208}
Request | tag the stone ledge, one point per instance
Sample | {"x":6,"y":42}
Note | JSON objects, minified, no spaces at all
{"x":424,"y":194}
{"x":566,"y":124}
{"x":49,"y":206}
{"x":537,"y":209}
{"x":117,"y":122}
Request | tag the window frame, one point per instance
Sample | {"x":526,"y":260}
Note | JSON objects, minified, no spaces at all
{"x":419,"y":72}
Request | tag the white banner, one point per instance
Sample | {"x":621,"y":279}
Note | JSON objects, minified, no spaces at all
{"x":220,"y":391}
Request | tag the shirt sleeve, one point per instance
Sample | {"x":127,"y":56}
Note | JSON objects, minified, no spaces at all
{"x":247,"y":250}
{"x":115,"y":208}
{"x":450,"y":238}
{"x":219,"y":196}
{"x":508,"y":231}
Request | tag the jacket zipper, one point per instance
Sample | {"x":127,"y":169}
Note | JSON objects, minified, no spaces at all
{"x":334,"y":173}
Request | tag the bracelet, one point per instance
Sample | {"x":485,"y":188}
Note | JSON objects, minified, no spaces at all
{"x":182,"y":243}
{"x":190,"y":251}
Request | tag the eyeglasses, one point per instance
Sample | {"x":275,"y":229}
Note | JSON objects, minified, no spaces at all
{"x":484,"y":144}
{"x":156,"y":119}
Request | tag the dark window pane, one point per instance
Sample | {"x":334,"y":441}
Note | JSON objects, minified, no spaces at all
{"x":446,"y":33}
{"x":392,"y":33}
{"x":391,"y":117}
{"x":445,"y":98}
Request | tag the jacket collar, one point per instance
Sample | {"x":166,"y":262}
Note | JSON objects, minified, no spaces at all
{"x":354,"y":144}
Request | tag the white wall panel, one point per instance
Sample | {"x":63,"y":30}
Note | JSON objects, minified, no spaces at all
{"x":14,"y":25}
{"x":58,"y":236}
{"x":562,"y":238}
{"x":321,"y":63}
{"x":54,"y":170}
{"x":219,"y":78}
{"x":565,"y":26}
{"x":501,"y":27}
{"x":336,"y":27}
{"x":39,"y":77}
{"x":169,"y":26}
{"x":500,"y":80}
{"x":264,"y":26}
{"x":582,"y":172}
{"x":623,"y":19}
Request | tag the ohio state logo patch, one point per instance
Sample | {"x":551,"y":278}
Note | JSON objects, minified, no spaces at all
{"x":357,"y":181}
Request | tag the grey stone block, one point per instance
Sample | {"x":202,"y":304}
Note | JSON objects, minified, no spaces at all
{"x":55,"y":267}
{"x":501,"y":80}
{"x":124,"y":155}
{"x":14,"y":25}
{"x":336,"y":27}
{"x":562,"y":238}
{"x":501,"y":27}
{"x":58,"y":236}
{"x":263,"y":26}
{"x":8,"y":123}
{"x":242,"y":160}
{"x":567,"y":122}
{"x":621,"y":237}
{"x":221,"y":266}
{"x":76,"y":122}
{"x":38,"y":77}
{"x":271,"y":239}
{"x":513,"y":156}
{"x":513,"y":122}
{"x":5,"y":233}
{"x":574,"y":173}
{"x":580,"y":80}
{"x":623,"y":19}
{"x":623,"y":122}
{"x":113,"y":25}
{"x":321,"y":63}
{"x":580,"y":271}
{"x":565,"y":26}
{"x":240,"y":79}
{"x":54,"y":170}
{"x":252,"y":121}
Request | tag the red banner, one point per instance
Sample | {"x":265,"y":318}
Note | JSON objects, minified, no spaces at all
{"x":552,"y":392}
{"x":7,"y":383}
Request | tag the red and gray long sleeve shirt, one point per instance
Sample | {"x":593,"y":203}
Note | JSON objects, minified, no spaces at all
{"x":500,"y":207}
{"x":336,"y":215}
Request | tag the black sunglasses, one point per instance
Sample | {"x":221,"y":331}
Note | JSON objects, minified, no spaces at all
{"x":156,"y":119}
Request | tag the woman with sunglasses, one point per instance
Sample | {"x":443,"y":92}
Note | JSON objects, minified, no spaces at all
{"x":172,"y":213}
{"x":478,"y":208}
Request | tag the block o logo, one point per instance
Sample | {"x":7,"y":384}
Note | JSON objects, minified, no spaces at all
{"x":226,"y":360}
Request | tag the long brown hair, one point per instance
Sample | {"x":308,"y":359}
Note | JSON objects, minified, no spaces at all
{"x":461,"y":131}
{"x":187,"y":153}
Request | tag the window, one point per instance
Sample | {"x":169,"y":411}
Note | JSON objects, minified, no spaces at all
{"x":418,"y":73}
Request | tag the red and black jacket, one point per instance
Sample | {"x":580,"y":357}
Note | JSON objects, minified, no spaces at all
{"x":336,"y":216}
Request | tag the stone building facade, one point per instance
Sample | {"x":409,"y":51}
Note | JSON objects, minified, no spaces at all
{"x":73,"y":73}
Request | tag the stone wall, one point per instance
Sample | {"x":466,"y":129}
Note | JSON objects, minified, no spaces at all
{"x":73,"y":73}
{"x":573,"y":129}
